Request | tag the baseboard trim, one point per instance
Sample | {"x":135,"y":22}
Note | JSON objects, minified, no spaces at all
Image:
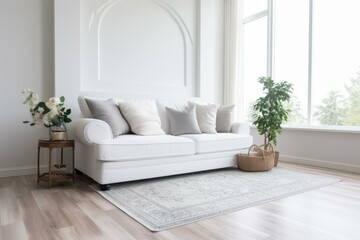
{"x":21,"y":171}
{"x":319,"y":163}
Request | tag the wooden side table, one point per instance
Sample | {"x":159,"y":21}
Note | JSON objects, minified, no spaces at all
{"x":61,"y":173}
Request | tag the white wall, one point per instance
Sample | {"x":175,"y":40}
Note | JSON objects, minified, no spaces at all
{"x":26,"y":60}
{"x":330,"y":149}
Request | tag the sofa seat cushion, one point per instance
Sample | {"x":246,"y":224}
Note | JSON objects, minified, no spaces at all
{"x":207,"y":143}
{"x":131,"y":146}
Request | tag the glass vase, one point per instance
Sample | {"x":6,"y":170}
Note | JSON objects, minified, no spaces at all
{"x":58,"y":133}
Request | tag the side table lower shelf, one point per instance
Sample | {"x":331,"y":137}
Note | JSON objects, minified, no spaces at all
{"x":55,"y":176}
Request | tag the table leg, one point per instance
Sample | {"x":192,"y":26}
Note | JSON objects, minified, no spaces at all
{"x":50,"y":154}
{"x":38,"y":165}
{"x":73,"y":163}
{"x":62,"y":157}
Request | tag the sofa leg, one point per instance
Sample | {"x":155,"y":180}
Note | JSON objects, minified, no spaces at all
{"x":105,"y":187}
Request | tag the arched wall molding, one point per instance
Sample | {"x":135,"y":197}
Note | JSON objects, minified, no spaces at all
{"x":101,"y":11}
{"x":72,"y":21}
{"x":189,"y":44}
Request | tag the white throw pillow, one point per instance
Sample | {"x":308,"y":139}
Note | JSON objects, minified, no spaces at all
{"x":206,"y":117}
{"x":224,"y":118}
{"x":142,"y":118}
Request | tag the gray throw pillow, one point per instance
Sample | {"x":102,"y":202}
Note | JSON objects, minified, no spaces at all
{"x":183,"y":122}
{"x":109,"y":112}
{"x":224,"y":118}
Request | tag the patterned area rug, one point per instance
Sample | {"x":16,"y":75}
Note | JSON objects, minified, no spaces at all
{"x":168,"y":202}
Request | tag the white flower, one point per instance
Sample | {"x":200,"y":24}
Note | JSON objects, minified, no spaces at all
{"x":34,"y":100}
{"x":26,"y":90}
{"x":37,"y":118}
{"x":53,"y":102}
{"x":46,"y":119}
{"x":53,"y":112}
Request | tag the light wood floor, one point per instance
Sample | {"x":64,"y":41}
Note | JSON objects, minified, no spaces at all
{"x":67,"y":211}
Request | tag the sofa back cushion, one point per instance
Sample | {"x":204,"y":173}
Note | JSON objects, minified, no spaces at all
{"x":85,"y":111}
{"x":161,"y":106}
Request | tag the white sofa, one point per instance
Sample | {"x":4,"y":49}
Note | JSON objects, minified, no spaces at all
{"x":130,"y":157}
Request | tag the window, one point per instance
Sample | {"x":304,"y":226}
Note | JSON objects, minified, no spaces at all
{"x":313,"y":44}
{"x":254,"y":59}
{"x":336,"y":63}
{"x":290,"y":53}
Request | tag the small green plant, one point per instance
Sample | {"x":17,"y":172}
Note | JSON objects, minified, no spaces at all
{"x":270,"y":111}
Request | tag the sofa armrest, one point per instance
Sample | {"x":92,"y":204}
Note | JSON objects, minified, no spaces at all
{"x":90,"y":130}
{"x":240,"y":128}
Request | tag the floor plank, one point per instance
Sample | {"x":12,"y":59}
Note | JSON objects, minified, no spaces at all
{"x":74,"y":211}
{"x":83,"y":225}
{"x":34,"y":221}
{"x":51,"y":211}
{"x":13,"y":231}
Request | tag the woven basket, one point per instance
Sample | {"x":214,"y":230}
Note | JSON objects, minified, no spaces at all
{"x":260,"y":161}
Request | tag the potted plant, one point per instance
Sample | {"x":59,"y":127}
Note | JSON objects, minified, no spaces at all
{"x":270,"y":112}
{"x":52,"y":114}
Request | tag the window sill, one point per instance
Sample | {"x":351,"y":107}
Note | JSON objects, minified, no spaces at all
{"x":327,"y":129}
